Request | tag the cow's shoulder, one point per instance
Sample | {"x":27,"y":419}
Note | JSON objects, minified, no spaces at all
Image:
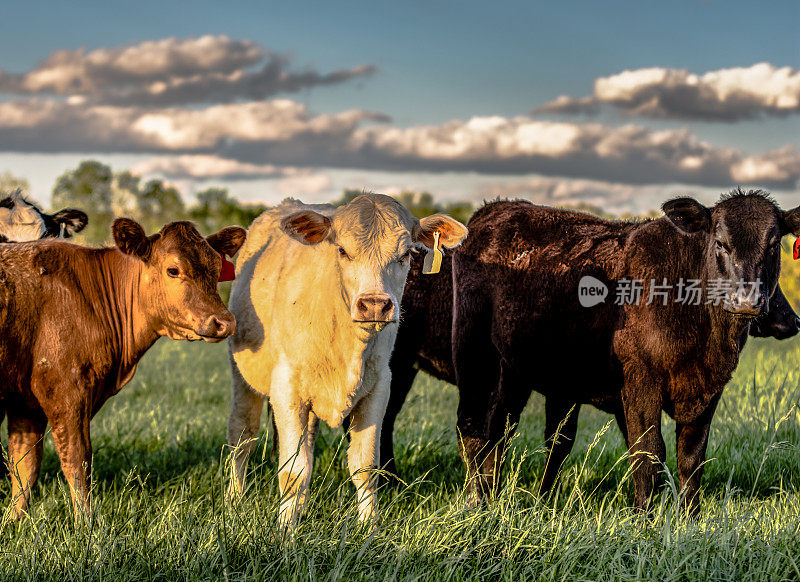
{"x":657,"y":249}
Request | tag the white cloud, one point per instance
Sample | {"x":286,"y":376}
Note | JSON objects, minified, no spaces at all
{"x":782,"y":164}
{"x":170,"y":71}
{"x":204,"y":166}
{"x":286,"y":133}
{"x":722,"y":95}
{"x":303,"y":185}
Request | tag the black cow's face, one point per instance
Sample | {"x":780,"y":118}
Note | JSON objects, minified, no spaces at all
{"x":780,"y":322}
{"x":22,"y":221}
{"x":743,"y":235}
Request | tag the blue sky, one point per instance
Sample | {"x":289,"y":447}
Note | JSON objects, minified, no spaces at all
{"x":435,"y":62}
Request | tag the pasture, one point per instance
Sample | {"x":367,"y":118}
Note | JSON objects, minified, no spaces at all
{"x":159,"y":482}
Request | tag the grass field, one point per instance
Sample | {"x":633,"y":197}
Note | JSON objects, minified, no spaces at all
{"x":159,"y":482}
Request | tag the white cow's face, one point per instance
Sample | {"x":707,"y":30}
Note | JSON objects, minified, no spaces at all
{"x":372,"y":239}
{"x":22,"y":221}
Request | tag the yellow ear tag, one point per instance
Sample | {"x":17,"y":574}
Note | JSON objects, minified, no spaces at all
{"x":433,"y":260}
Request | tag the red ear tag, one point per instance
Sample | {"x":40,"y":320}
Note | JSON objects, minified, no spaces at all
{"x":228,"y":272}
{"x":796,"y":252}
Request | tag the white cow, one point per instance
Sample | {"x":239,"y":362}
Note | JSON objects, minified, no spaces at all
{"x":316,"y":302}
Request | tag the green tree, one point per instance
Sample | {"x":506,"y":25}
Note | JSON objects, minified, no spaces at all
{"x":103,"y":195}
{"x":216,"y":209}
{"x":88,"y":187}
{"x":10,"y":183}
{"x":159,"y":204}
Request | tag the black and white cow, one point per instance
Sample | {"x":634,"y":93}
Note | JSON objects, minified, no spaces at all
{"x":22,"y":221}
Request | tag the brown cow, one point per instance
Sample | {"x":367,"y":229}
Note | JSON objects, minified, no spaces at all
{"x":75,"y":321}
{"x":519,"y":322}
{"x":423,"y":343}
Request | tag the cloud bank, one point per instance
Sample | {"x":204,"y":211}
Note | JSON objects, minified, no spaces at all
{"x":286,"y":133}
{"x":171,"y":71}
{"x":723,"y":95}
{"x":200,"y":107}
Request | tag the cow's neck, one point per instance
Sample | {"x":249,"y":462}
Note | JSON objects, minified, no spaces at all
{"x":727,"y":338}
{"x":117,"y":282}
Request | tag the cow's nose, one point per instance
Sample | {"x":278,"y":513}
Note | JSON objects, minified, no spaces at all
{"x":374,"y":307}
{"x":217,"y":327}
{"x":745,"y":304}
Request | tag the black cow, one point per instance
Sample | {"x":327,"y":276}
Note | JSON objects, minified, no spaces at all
{"x":424,"y":337}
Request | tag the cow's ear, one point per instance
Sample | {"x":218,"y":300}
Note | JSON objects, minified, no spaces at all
{"x":791,"y":222}
{"x":71,"y":221}
{"x":228,"y":241}
{"x":307,"y":227}
{"x":131,"y":239}
{"x":451,"y":232}
{"x":688,"y":215}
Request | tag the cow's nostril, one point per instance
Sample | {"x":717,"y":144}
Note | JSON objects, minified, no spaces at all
{"x":216,"y":327}
{"x":374,"y":307}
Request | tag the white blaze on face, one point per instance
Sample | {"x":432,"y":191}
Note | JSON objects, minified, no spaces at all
{"x":21,"y":222}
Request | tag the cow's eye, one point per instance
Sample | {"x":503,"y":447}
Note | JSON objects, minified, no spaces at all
{"x":722,"y":247}
{"x":343,"y":253}
{"x":173,"y":272}
{"x":405,"y":256}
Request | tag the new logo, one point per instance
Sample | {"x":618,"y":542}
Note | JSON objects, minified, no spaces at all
{"x":591,"y":291}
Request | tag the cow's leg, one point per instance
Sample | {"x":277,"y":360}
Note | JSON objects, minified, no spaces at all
{"x":403,"y":374}
{"x":691,"y":442}
{"x":561,"y":426}
{"x":619,"y":416}
{"x":642,"y":400}
{"x":477,"y":366}
{"x":74,"y":447}
{"x":25,"y":443}
{"x":243,"y":425}
{"x":296,"y":435}
{"x":363,"y":455}
{"x":503,"y":416}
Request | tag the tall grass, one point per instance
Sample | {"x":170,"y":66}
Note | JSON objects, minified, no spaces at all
{"x":159,"y":482}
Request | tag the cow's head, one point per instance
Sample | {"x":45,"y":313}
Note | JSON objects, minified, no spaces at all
{"x":780,"y":322}
{"x":178,"y":287}
{"x":743,"y":234}
{"x":371,"y":240}
{"x":22,"y":221}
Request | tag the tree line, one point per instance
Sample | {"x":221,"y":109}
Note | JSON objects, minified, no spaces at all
{"x":104,"y":195}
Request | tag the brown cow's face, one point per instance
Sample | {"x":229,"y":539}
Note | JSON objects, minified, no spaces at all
{"x":743,"y":234}
{"x":371,"y":240}
{"x":178,"y":287}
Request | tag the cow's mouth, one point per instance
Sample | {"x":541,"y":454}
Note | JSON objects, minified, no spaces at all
{"x":372,"y":327}
{"x":191,"y":335}
{"x":742,"y":314}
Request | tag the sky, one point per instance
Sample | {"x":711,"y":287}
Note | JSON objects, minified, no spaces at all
{"x":617,"y":104}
